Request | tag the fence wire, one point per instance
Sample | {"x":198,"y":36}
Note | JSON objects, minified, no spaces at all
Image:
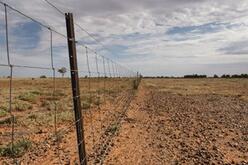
{"x":37,"y":122}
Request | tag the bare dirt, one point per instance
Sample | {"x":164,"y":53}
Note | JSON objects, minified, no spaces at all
{"x":168,"y":124}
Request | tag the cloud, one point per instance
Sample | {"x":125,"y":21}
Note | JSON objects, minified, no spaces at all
{"x":199,"y":29}
{"x":236,"y":48}
{"x":138,"y":33}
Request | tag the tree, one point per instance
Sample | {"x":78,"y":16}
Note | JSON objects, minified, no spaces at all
{"x":216,"y":76}
{"x":195,"y":76}
{"x":62,"y":70}
{"x":42,"y":76}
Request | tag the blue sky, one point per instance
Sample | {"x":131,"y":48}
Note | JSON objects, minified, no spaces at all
{"x":169,"y":37}
{"x":27,"y":35}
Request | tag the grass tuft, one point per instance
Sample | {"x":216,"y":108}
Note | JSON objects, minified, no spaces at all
{"x":112,"y":129}
{"x":22,"y":106}
{"x":3,"y":111}
{"x":19,"y":148}
{"x":85,"y":105}
{"x":8,"y":121}
{"x":28,"y":96}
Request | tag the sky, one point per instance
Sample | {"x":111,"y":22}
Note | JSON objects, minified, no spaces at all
{"x":154,"y":37}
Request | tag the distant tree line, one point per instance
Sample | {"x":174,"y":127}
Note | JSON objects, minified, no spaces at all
{"x":154,"y":77}
{"x":195,"y":76}
{"x":232,"y":76}
{"x":202,"y":76}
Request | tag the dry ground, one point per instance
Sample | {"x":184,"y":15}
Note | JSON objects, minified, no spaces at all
{"x":178,"y":121}
{"x":44,"y":131}
{"x":169,"y":121}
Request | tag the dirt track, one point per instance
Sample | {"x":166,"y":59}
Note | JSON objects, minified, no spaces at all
{"x":162,"y":127}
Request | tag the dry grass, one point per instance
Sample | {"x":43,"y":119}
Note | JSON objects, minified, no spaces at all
{"x":35,"y":103}
{"x":226,"y":87}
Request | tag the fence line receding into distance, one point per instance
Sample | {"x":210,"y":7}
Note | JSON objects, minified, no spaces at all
{"x":38,"y":123}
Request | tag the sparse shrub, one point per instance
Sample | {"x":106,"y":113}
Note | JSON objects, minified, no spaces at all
{"x":8,"y":120}
{"x":32,"y":117}
{"x":27,"y":96}
{"x":3,"y":107}
{"x":51,"y":105}
{"x":97,"y":101}
{"x":85,"y":105}
{"x":86,"y":101}
{"x":110,"y":91}
{"x":3,"y":112}
{"x":112,"y":129}
{"x":59,"y":93}
{"x":46,"y":104}
{"x":18,"y":149}
{"x":22,"y":106}
{"x":35,"y":92}
{"x":59,"y":137}
{"x":90,"y":100}
{"x":43,"y":76}
{"x":122,"y":86}
{"x":46,"y":119}
{"x":65,"y":116}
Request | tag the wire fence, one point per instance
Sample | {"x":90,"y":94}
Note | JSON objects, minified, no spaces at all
{"x":37,"y":123}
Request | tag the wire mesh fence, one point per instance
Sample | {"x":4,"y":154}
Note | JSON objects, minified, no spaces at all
{"x":37,"y":121}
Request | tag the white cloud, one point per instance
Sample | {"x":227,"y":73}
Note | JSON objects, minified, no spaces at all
{"x":112,"y":21}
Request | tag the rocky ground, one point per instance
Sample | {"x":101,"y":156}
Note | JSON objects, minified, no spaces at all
{"x":163,"y":127}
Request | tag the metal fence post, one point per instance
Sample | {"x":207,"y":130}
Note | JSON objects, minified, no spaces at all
{"x":75,"y":87}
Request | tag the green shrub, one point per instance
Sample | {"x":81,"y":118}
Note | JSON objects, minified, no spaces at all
{"x":3,"y":110}
{"x":18,"y":149}
{"x":3,"y":113}
{"x":43,"y":76}
{"x":28,"y":96}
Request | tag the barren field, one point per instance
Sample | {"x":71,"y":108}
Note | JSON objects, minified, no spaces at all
{"x":165,"y":121}
{"x":178,"y":121}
